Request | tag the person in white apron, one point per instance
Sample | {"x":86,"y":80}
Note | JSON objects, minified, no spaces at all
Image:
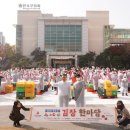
{"x":95,"y":80}
{"x":124,"y":85}
{"x":79,"y":87}
{"x":114,"y":78}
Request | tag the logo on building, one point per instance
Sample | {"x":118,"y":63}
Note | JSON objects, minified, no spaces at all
{"x":29,"y":6}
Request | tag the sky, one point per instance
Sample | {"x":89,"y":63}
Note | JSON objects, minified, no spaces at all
{"x":119,"y":12}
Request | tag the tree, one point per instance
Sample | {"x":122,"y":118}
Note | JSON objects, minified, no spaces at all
{"x":23,"y":62}
{"x":114,"y":56}
{"x":102,"y":60}
{"x":116,"y":50}
{"x":125,"y":59}
{"x":39,"y":57}
{"x":86,"y":60}
{"x":6,"y":50}
{"x":116,"y":62}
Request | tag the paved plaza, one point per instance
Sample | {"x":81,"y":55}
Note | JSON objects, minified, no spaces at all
{"x":50,"y":99}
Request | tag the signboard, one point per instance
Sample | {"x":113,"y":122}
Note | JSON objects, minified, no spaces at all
{"x":74,"y":114}
{"x":29,"y":6}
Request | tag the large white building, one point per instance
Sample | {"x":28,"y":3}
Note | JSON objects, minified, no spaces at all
{"x":63,"y":38}
{"x":2,"y":38}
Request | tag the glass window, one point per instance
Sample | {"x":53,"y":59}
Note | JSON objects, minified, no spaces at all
{"x":61,"y":37}
{"x":53,"y":28}
{"x":66,"y":34}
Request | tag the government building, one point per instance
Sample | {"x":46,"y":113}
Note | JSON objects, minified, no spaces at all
{"x":63,"y":38}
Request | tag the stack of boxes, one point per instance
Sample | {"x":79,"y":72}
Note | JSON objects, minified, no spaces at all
{"x":9,"y":88}
{"x":20,"y":90}
{"x":29,"y":89}
{"x":114,"y":90}
{"x":90,"y":87}
{"x":108,"y":90}
{"x":14,"y":85}
{"x":25,"y":90}
{"x":111,"y":90}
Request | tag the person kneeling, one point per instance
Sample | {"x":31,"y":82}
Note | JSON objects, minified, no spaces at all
{"x":123,"y":115}
{"x":15,"y":114}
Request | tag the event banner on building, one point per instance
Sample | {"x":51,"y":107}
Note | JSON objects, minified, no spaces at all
{"x":73,"y":114}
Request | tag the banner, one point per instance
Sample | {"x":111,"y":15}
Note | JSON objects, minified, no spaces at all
{"x":74,"y":114}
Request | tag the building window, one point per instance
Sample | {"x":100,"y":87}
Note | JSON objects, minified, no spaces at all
{"x":63,"y":38}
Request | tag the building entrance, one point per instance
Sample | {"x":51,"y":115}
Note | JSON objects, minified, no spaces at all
{"x":62,"y":63}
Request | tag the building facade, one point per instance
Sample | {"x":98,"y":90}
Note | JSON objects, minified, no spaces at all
{"x":2,"y":38}
{"x":63,"y":38}
{"x":114,"y":36}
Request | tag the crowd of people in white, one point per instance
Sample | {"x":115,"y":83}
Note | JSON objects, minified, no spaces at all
{"x":61,"y":80}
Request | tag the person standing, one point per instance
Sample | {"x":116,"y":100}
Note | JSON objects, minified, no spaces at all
{"x":120,"y":76}
{"x":114,"y":78}
{"x":41,"y":84}
{"x":53,"y":81}
{"x":63,"y":91}
{"x":124,"y":85}
{"x":128,"y":75}
{"x":95,"y":80}
{"x":79,"y":87}
{"x":1,"y":79}
{"x":15,"y":76}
